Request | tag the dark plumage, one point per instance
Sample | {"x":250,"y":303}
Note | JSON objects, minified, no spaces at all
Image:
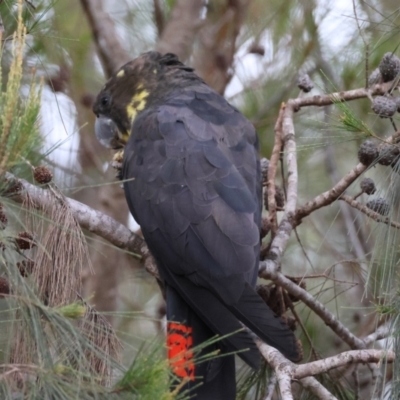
{"x":193,"y":183}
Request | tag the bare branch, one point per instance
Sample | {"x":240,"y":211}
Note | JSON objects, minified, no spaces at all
{"x":348,"y":357}
{"x":278,"y":278}
{"x":272,"y":168}
{"x":329,"y":196}
{"x":381,"y":333}
{"x":291,"y":158}
{"x":371,"y":214}
{"x":286,"y":371}
{"x":317,"y":388}
{"x":328,"y":99}
{"x":88,"y":218}
{"x":109,"y":48}
{"x":271,"y":387}
{"x":283,"y":368}
{"x":179,"y":33}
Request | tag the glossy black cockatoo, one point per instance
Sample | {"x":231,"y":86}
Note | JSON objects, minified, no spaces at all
{"x":191,"y":176}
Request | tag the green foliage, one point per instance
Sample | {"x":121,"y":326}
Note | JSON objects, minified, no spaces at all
{"x":349,"y":121}
{"x":148,"y":377}
{"x":18,"y":123}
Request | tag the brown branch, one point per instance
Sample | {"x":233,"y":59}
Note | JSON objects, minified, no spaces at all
{"x":271,"y":387}
{"x":368,"y":212}
{"x":330,"y":195}
{"x":381,"y":333}
{"x":278,"y":278}
{"x":317,"y":388}
{"x":272,"y":168}
{"x":286,"y":371}
{"x":214,"y":58}
{"x":111,"y":53}
{"x":179,"y":33}
{"x":88,"y":218}
{"x":158,"y":17}
{"x":92,"y":220}
{"x":348,"y":357}
{"x":328,"y":99}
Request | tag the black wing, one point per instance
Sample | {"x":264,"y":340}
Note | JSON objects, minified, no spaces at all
{"x":193,"y":184}
{"x":196,"y":182}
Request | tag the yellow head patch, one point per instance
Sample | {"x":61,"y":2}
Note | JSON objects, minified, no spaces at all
{"x":138,"y":103}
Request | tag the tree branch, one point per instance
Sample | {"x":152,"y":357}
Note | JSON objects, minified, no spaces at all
{"x":342,"y":359}
{"x":109,"y":49}
{"x":330,"y":195}
{"x":369,"y":213}
{"x":179,"y":33}
{"x":286,"y":371}
{"x":317,"y":388}
{"x":328,"y":99}
{"x":278,"y":278}
{"x":88,"y":218}
{"x":272,"y":168}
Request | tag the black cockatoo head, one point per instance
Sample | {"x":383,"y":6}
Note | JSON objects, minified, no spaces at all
{"x":139,"y":83}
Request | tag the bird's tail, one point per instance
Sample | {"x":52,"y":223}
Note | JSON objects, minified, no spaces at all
{"x":201,"y":371}
{"x":223,"y":319}
{"x":256,"y":315}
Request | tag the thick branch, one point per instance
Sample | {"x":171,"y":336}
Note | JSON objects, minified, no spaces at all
{"x":109,"y":48}
{"x":88,"y":218}
{"x":286,"y":371}
{"x":282,"y":367}
{"x":181,"y":29}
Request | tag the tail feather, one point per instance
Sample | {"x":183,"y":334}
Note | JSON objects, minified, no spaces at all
{"x":256,"y":315}
{"x":218,"y":318}
{"x":205,"y":378}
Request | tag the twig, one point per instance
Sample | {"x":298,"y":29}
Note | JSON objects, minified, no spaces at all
{"x":328,"y":99}
{"x":271,"y":386}
{"x":278,"y":278}
{"x":381,"y":333}
{"x":317,"y":388}
{"x":330,"y":195}
{"x":158,"y":17}
{"x":356,"y":383}
{"x":368,"y":212}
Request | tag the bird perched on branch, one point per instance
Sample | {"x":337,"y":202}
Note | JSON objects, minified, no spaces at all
{"x":192,"y":181}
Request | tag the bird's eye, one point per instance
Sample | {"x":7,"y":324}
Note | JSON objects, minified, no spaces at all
{"x":105,"y":100}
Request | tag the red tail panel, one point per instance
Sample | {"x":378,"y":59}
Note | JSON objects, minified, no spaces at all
{"x":180,"y":354}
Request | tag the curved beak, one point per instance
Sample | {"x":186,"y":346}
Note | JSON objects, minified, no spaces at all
{"x":107,"y":132}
